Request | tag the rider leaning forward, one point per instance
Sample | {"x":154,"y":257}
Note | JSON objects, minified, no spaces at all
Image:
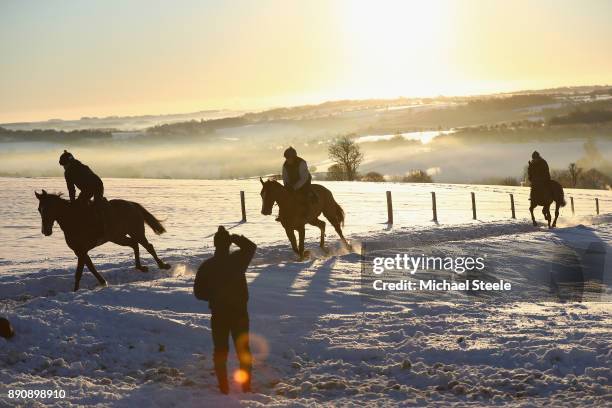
{"x":80,"y":176}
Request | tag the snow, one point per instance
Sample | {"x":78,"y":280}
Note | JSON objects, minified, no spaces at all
{"x":318,"y":336}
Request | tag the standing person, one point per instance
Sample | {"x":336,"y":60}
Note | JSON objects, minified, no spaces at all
{"x":296,"y":177}
{"x":222,"y":282}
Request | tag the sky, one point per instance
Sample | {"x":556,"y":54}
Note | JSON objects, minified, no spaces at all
{"x":68,"y":59}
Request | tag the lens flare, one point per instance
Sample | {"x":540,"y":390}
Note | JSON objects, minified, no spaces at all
{"x":241,"y":376}
{"x":258,"y":345}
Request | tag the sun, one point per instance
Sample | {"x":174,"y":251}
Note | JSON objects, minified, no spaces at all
{"x":393,"y":46}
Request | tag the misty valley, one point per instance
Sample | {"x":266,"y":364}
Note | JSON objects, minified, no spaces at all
{"x":458,"y":140}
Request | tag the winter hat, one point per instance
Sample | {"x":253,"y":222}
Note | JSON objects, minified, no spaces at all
{"x":65,"y":157}
{"x":290,"y":152}
{"x":6,"y":330}
{"x":222,"y":237}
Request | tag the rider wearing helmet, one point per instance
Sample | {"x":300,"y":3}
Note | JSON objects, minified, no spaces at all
{"x":79,"y":175}
{"x":296,"y":176}
{"x":538,"y":173}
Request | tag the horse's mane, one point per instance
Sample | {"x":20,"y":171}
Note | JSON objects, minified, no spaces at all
{"x":56,"y":196}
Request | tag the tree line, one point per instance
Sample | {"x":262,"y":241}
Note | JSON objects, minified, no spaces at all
{"x":347,"y":157}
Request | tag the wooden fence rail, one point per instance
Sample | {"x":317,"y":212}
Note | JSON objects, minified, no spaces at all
{"x":434,"y":206}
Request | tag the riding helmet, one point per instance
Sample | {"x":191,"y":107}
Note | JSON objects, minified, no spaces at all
{"x":290,"y":153}
{"x":65,"y":157}
{"x":535,"y":155}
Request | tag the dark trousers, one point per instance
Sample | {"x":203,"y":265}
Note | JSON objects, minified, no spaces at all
{"x":236,"y":323}
{"x":100,"y":205}
{"x":97,"y":193}
{"x":306,"y":197}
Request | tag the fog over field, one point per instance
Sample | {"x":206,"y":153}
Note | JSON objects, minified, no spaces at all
{"x":459,"y":140}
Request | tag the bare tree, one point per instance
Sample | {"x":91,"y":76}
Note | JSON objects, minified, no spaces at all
{"x":346,"y":154}
{"x":574,"y":173}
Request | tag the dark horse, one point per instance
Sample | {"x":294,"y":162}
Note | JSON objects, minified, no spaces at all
{"x":84,"y":231}
{"x":293,"y":217}
{"x":544,"y":196}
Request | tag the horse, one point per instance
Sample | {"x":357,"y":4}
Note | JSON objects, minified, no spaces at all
{"x":545,"y":198}
{"x":83,"y":230}
{"x":292,"y":216}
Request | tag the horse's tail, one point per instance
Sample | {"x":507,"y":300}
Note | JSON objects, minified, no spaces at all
{"x":560,"y":194}
{"x":338,"y":211}
{"x":151,"y":221}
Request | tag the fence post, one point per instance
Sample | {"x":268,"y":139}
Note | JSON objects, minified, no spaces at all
{"x":242,"y":207}
{"x":473,"y":205}
{"x":572,"y":202}
{"x":512,"y":206}
{"x":433,"y":205}
{"x":597,"y":205}
{"x":389,"y":208}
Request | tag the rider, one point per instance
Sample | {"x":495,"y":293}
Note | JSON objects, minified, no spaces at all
{"x":538,"y":172}
{"x":297,"y":178}
{"x":79,"y":175}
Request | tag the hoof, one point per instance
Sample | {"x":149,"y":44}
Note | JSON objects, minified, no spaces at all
{"x":535,"y":224}
{"x":142,"y":268}
{"x":164,"y":266}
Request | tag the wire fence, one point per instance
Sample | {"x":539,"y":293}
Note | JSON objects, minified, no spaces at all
{"x":454,"y":204}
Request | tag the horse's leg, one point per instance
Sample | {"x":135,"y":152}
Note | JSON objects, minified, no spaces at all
{"x":301,"y":236}
{"x":93,"y":270}
{"x":336,"y":225}
{"x":531,"y":207}
{"x":554,"y":224}
{"x":321,"y":224}
{"x":79,"y":272}
{"x":291,"y":236}
{"x":546,"y":212}
{"x":127,"y":241}
{"x":139,"y":236}
{"x":149,"y":247}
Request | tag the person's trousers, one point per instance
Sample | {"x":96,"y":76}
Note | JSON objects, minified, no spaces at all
{"x":235,"y":323}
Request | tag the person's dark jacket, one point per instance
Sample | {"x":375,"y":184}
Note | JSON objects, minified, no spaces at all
{"x":538,"y":171}
{"x":221,"y":280}
{"x":84,"y":178}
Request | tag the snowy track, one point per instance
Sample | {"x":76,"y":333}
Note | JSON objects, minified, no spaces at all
{"x":145,"y":340}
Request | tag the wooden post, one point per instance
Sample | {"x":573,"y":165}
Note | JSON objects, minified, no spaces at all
{"x":433,"y":205}
{"x":473,"y":205}
{"x":389,"y":208}
{"x":597,"y":205}
{"x":572,"y":202}
{"x":242,"y":206}
{"x":512,"y":206}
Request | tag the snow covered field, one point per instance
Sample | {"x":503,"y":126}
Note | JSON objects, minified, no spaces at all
{"x":318,"y":337}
